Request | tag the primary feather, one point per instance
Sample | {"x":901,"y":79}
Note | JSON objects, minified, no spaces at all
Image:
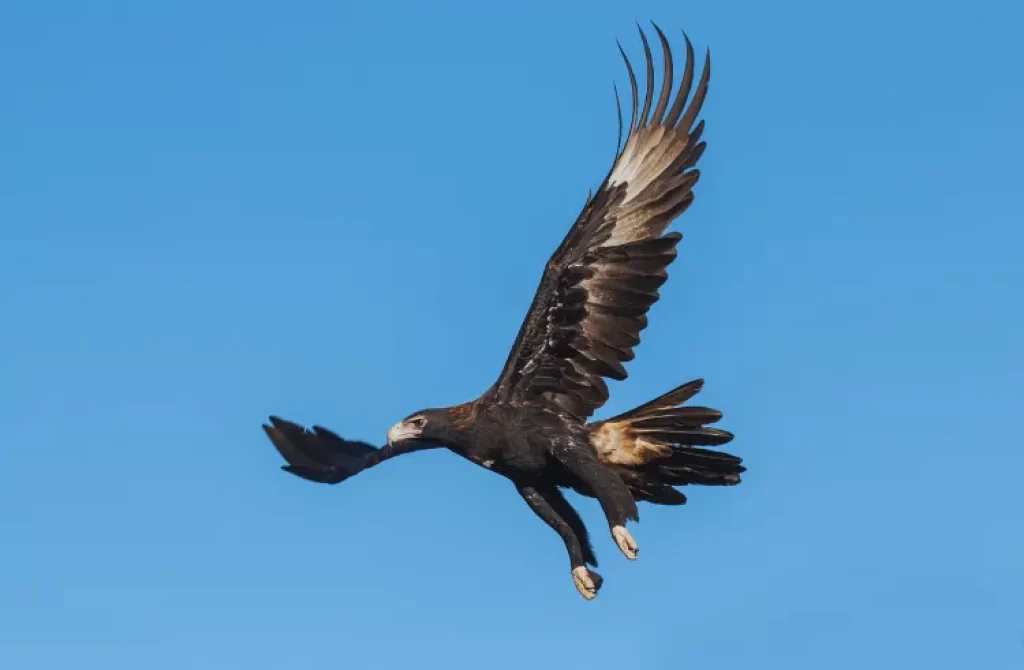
{"x":598,"y":286}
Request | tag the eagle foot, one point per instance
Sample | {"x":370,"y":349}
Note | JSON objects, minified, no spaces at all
{"x":627,"y":545}
{"x":588,"y":582}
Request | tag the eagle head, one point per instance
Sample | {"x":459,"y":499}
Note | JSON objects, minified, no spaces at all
{"x":425,"y":425}
{"x":440,"y":426}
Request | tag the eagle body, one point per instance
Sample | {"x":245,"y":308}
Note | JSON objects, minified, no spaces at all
{"x":534,"y":424}
{"x":513,"y":441}
{"x":531,"y":445}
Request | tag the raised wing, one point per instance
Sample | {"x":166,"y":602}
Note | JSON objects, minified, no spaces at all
{"x":593,"y":298}
{"x":321,"y":456}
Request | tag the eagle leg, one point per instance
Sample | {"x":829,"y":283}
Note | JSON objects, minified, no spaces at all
{"x":552,"y":507}
{"x":595,"y":479}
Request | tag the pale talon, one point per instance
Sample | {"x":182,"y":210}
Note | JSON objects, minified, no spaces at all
{"x":584,"y":584}
{"x":627,"y":545}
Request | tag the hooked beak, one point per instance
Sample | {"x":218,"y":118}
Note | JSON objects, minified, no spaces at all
{"x":402,"y":431}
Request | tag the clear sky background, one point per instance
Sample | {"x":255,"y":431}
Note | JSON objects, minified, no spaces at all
{"x":338,"y":212}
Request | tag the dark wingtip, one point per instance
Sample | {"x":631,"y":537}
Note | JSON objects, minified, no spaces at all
{"x":618,"y":113}
{"x":292,"y":470}
{"x":320,"y":430}
{"x":316,"y":476}
{"x":687,"y":38}
{"x":278,"y":422}
{"x":635,"y":108}
{"x":640,"y":29}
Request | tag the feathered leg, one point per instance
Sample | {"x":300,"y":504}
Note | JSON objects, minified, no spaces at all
{"x":551,"y":506}
{"x":597,"y":480}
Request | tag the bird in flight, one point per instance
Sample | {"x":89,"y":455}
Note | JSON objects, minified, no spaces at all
{"x":533,"y":425}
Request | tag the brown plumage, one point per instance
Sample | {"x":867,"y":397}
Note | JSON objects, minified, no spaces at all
{"x":597,"y":288}
{"x":582,"y":327}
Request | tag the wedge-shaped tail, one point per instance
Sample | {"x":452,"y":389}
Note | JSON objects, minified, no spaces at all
{"x":659,"y":445}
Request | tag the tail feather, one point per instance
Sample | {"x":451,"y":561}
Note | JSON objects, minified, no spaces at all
{"x":646,"y":488}
{"x":673,"y":398}
{"x":657,"y":446}
{"x":705,"y":437}
{"x":692,"y":465}
{"x":680,"y":416}
{"x":697,"y":457}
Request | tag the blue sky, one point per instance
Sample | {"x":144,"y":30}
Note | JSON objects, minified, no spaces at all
{"x":338,"y":213}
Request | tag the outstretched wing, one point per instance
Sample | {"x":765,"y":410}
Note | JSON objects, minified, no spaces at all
{"x":321,"y":456}
{"x":596,"y":290}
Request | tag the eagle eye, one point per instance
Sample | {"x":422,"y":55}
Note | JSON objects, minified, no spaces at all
{"x":418,"y":421}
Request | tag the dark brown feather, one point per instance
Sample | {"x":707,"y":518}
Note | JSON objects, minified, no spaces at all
{"x":592,"y":302}
{"x":652,"y":446}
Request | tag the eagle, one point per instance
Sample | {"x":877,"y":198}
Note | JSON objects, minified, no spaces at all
{"x":533,"y":425}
